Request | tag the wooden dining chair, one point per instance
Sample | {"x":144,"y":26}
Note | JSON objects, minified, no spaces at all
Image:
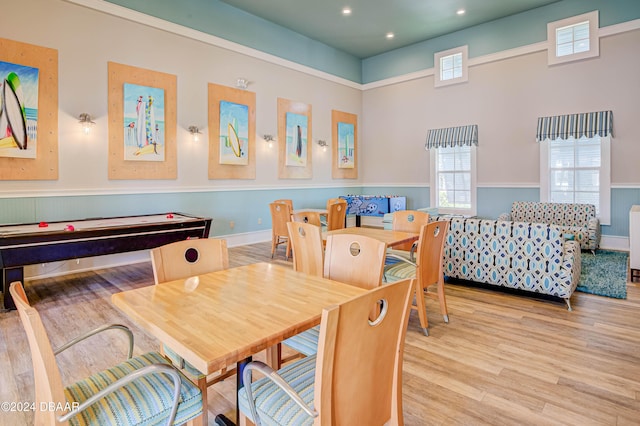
{"x":181,"y":260}
{"x":336,"y":214}
{"x":280,"y":215}
{"x":145,"y":389}
{"x":426,"y":271}
{"x":351,"y":259}
{"x":356,"y":376}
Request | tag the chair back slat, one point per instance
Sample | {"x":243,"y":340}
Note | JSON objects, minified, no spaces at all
{"x":355,"y":259}
{"x":285,"y":201}
{"x":189,"y":258}
{"x":336,"y":214}
{"x":430,"y":252}
{"x":408,"y":221}
{"x":359,"y":365}
{"x":307,"y":217}
{"x":48,"y":383}
{"x":308,"y":251}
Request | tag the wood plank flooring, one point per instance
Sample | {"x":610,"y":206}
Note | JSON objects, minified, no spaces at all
{"x":502,"y":360}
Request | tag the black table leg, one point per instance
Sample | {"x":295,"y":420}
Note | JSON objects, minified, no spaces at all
{"x":223,"y":420}
{"x":8,"y":276}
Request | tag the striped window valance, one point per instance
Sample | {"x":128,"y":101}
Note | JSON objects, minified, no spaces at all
{"x":452,"y":136}
{"x":586,"y":124}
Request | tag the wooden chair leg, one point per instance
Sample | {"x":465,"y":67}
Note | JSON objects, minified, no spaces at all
{"x":442,"y":300}
{"x":421,"y":307}
{"x":202,"y":385}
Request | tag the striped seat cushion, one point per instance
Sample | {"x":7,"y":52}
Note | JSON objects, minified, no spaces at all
{"x":306,"y":342}
{"x":399,"y":271}
{"x":146,"y":401}
{"x":180,"y":362}
{"x":273,"y":405}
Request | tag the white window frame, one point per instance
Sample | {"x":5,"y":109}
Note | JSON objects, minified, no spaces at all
{"x":464,"y":51}
{"x":435,"y":182}
{"x":604,"y":212}
{"x":594,"y":40}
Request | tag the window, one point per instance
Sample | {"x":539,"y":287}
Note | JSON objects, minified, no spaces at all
{"x":453,"y":188}
{"x":577,"y":171}
{"x":450,"y":66}
{"x":573,"y":38}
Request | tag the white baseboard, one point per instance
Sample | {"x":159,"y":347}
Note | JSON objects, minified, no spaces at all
{"x":74,"y":266}
{"x":611,"y":242}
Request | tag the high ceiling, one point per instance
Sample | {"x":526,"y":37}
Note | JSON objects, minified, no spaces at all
{"x":363,"y":32}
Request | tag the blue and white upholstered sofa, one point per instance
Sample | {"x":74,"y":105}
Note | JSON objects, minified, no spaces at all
{"x":577,"y":219}
{"x":533,"y":257}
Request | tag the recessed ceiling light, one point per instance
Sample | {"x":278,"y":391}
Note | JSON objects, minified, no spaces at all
{"x":346,"y":11}
{"x":461,"y":11}
{"x":390,"y":36}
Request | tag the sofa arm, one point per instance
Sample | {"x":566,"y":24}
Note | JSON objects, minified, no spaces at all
{"x":594,"y":233}
{"x":504,"y":216}
{"x":571,"y":268}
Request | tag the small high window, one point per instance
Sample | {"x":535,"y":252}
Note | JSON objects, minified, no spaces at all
{"x":573,"y":38}
{"x":450,"y":66}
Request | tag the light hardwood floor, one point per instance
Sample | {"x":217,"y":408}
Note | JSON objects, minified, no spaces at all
{"x":502,"y":360}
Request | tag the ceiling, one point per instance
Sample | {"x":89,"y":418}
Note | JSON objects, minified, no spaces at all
{"x":363,"y":33}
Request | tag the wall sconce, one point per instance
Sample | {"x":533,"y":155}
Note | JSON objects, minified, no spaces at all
{"x":323,"y":144}
{"x":242,"y":83}
{"x":85,"y":121}
{"x":269,"y":139}
{"x":195,"y":133}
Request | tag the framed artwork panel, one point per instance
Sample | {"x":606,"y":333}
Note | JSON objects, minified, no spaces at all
{"x":232,"y":124}
{"x":344,"y":145}
{"x":294,"y":139}
{"x":142,"y":123}
{"x":28,"y":111}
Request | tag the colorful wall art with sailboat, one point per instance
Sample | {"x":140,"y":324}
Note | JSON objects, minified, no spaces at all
{"x":346,"y":146}
{"x":144,"y":123}
{"x":296,"y":143}
{"x":234,"y":133}
{"x":18,"y":110}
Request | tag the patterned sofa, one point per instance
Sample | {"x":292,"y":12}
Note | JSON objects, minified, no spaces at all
{"x":577,"y":219}
{"x":525,"y":256}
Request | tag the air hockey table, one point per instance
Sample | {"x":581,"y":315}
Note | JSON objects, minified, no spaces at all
{"x":32,"y":243}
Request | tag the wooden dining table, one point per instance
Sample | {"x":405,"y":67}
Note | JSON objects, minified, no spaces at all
{"x":391,"y":238}
{"x":222,"y":318}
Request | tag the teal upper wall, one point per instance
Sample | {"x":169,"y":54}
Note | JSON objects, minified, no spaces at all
{"x":503,"y":34}
{"x":224,"y":21}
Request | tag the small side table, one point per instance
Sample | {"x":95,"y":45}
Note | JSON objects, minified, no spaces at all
{"x":634,"y":242}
